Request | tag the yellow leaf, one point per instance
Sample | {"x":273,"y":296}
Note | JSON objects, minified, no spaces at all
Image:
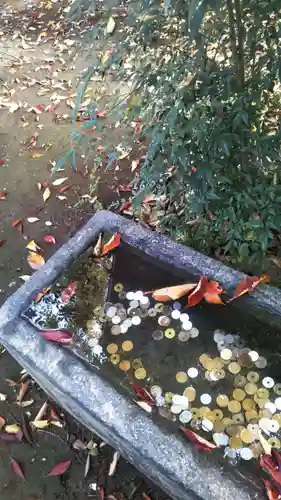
{"x":110,"y":26}
{"x":40,"y":424}
{"x":172,"y":292}
{"x":12,"y":429}
{"x":35,"y":260}
{"x":33,"y":246}
{"x":46,"y":194}
{"x":36,"y":155}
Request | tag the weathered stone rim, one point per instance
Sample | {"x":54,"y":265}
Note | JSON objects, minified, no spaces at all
{"x":166,"y":459}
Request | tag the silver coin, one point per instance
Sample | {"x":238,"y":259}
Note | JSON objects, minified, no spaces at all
{"x":116,"y":320}
{"x":152,"y":313}
{"x":136,"y":320}
{"x":194,"y":332}
{"x":185,"y":416}
{"x":218,"y":336}
{"x":183,"y":336}
{"x":186,"y":325}
{"x":164,"y":321}
{"x":176,"y":314}
{"x":166,"y":311}
{"x":261,"y":362}
{"x":177,"y":305}
{"x":130,"y":295}
{"x":184,"y":317}
{"x":138,"y":295}
{"x":111,"y":311}
{"x":157,"y":335}
{"x":122,"y":295}
{"x":156,"y":391}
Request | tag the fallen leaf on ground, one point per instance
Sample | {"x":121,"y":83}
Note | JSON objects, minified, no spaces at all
{"x":110,"y":27}
{"x":12,"y":428}
{"x":271,"y":491}
{"x":23,"y":390}
{"x":33,"y":246}
{"x":60,"y":181}
{"x":248,"y":285}
{"x":42,"y":294}
{"x":60,"y":468}
{"x":18,"y":224}
{"x":172,"y":292}
{"x":3,"y":195}
{"x":46,"y":194}
{"x":114,"y":242}
{"x":25,"y":277}
{"x":64,"y":188}
{"x":35,"y":260}
{"x":53,"y":416}
{"x":11,"y":383}
{"x":145,"y":497}
{"x":16,"y":468}
{"x":2,"y":242}
{"x":3,"y":397}
{"x":135,"y":164}
{"x":213,"y":298}
{"x":68,"y":292}
{"x":2,"y":422}
{"x":87,"y":465}
{"x":59,"y":336}
{"x":36,"y":155}
{"x":32,"y":219}
{"x":113,"y":465}
{"x":125,"y":206}
{"x":200,"y":443}
{"x":50,"y":239}
{"x":98,"y":246}
{"x":40,"y":424}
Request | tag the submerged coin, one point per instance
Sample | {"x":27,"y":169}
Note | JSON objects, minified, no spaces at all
{"x":136,"y":320}
{"x":248,"y":404}
{"x":177,"y":305}
{"x":234,"y":406}
{"x":116,"y":330}
{"x":251,"y":388}
{"x":253,"y":377}
{"x":270,"y":406}
{"x":111,"y":311}
{"x":239,"y":394}
{"x":226,"y":354}
{"x":246,"y":436}
{"x":277,"y":403}
{"x":220,"y":438}
{"x":181,"y":401}
{"x":187,"y":325}
{"x":240,"y":381}
{"x":124,"y":365}
{"x":185,"y":416}
{"x":164,"y":321}
{"x":251,"y":415}
{"x":207,"y":425}
{"x":127,"y":345}
{"x":181,"y":377}
{"x":254,"y":355}
{"x":238,"y":418}
{"x":217,"y":414}
{"x":190,"y":393}
{"x":261,"y":362}
{"x":246,"y":453}
{"x":159,"y":307}
{"x":234,"y":367}
{"x":157,"y":335}
{"x":176,"y":409}
{"x":195,"y":412}
{"x":257,"y":449}
{"x":183,"y":336}
{"x":115,"y":359}
{"x":130,"y":295}
{"x":263,"y":393}
{"x":267,"y":382}
{"x":136,"y":363}
{"x":170,"y":333}
{"x":184,"y":317}
{"x":209,"y":364}
{"x":235,"y":442}
{"x":118,"y":287}
{"x":112,"y":348}
{"x":140,"y":373}
{"x":203,"y":358}
{"x":152,"y":313}
{"x":194,"y":332}
{"x":277,"y":389}
{"x":205,"y":399}
{"x":274,"y":442}
{"x":277,"y":417}
{"x":116,"y":320}
{"x":156,"y":391}
{"x":192,"y":372}
{"x":222,"y":400}
{"x":176,"y":314}
{"x":122,"y":295}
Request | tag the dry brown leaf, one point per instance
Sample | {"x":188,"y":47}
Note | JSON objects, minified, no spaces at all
{"x":172,"y":292}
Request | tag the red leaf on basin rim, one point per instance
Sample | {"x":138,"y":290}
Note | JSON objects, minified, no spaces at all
{"x":59,"y":336}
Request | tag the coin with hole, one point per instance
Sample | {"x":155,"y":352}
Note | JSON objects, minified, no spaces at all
{"x":267,"y":382}
{"x":118,"y":287}
{"x":115,"y":359}
{"x":222,"y":400}
{"x":170,"y":333}
{"x":152,"y":313}
{"x":136,"y":363}
{"x":240,"y":381}
{"x":277,"y":389}
{"x":261,"y":362}
{"x":164,"y":321}
{"x":274,"y":442}
{"x":159,"y":307}
{"x":192,"y":372}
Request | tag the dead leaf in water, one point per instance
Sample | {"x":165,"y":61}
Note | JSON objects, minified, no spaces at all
{"x":172,"y":292}
{"x":40,"y":424}
{"x":68,"y":292}
{"x":248,"y":285}
{"x":35,"y":260}
{"x":60,"y":469}
{"x":79,"y":445}
{"x":110,"y":27}
{"x":42,"y":294}
{"x":271,"y":491}
{"x":50,"y":239}
{"x":18,"y":224}
{"x":16,"y":468}
{"x":12,"y":428}
{"x":200,"y":442}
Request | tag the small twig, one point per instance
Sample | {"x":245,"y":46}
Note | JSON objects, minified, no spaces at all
{"x":37,"y":81}
{"x":53,"y":435}
{"x":10,"y":55}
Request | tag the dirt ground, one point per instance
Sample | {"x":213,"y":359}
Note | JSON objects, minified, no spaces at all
{"x":40,"y":65}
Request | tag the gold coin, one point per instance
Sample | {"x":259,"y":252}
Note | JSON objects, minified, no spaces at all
{"x":204,"y":412}
{"x":169,"y":397}
{"x":251,"y":388}
{"x":125,"y":365}
{"x":227,"y":421}
{"x":226,"y":354}
{"x":238,"y":418}
{"x":112,"y":348}
{"x":277,"y":417}
{"x":219,"y":426}
{"x":234,"y":367}
{"x":140,"y":373}
{"x":181,"y":377}
{"x":118,"y":287}
{"x":222,"y":400}
{"x":277,"y":389}
{"x":235,"y":442}
{"x":248,"y":404}
{"x":253,"y":377}
{"x":136,"y":363}
{"x":246,"y":436}
{"x":263,"y":393}
{"x":240,"y":381}
{"x":170,"y":333}
{"x":274,"y":442}
{"x":190,"y":393}
{"x":234,"y":406}
{"x":251,"y":415}
{"x":217,"y":414}
{"x":115,"y":358}
{"x":127,"y":346}
{"x":238,"y":394}
{"x":195,"y":412}
{"x":209,"y":364}
{"x":257,"y":449}
{"x":203,"y":358}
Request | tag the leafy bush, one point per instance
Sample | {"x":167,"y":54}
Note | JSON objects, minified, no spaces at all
{"x":205,"y":80}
